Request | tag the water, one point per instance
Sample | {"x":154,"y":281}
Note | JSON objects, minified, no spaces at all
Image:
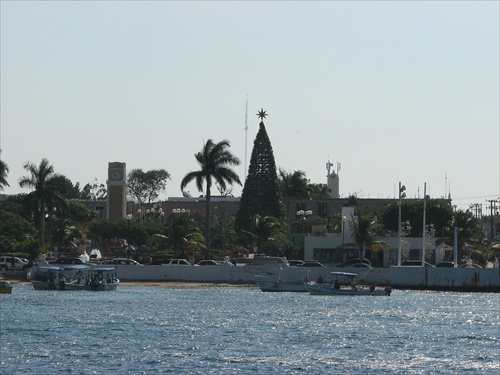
{"x":240,"y":330}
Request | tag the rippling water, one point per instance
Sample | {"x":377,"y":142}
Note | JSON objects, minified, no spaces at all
{"x":240,"y":330}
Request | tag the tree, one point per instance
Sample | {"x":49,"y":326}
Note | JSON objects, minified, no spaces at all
{"x":214,"y":160}
{"x":94,"y":191}
{"x":292,"y":185}
{"x":365,"y":230}
{"x":261,"y":192}
{"x":4,"y":171}
{"x":48,"y":192}
{"x":182,"y":234}
{"x":147,"y":186}
{"x":63,"y":234}
{"x":319,"y":191}
{"x":265,"y":229}
{"x":470,"y":232}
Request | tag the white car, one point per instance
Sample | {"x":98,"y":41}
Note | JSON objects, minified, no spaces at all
{"x":122,"y":262}
{"x":6,"y":263}
{"x":177,"y":262}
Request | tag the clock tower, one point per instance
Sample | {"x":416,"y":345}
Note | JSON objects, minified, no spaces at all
{"x":117,"y":191}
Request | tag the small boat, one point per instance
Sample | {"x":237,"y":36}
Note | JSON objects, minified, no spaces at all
{"x":44,"y":277}
{"x":5,"y":286}
{"x":280,"y":285}
{"x":353,"y":289}
{"x":101,"y":278}
{"x":70,"y":277}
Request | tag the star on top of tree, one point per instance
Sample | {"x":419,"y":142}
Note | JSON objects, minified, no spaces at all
{"x":262,"y":114}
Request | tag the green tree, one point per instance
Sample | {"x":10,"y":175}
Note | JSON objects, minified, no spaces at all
{"x":16,"y":234}
{"x":215,"y":161}
{"x":147,"y":186}
{"x":182,"y":234}
{"x":365,"y":232}
{"x":319,"y":191}
{"x":224,"y":235}
{"x":47,"y":192}
{"x":260,"y":194}
{"x":4,"y":171}
{"x":292,"y":185}
{"x":94,"y":191}
{"x":470,"y":233}
{"x":63,"y":234}
{"x":264,"y":230}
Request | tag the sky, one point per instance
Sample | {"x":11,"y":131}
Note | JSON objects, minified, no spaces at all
{"x":394,"y":91}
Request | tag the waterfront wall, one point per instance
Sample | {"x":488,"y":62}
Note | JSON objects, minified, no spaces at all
{"x":429,"y":278}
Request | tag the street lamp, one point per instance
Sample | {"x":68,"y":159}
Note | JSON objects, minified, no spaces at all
{"x":304,"y":215}
{"x":402,"y":195}
{"x":343,"y":231}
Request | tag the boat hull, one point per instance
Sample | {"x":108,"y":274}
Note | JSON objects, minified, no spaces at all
{"x":5,"y":287}
{"x":280,"y":286}
{"x":101,"y":286}
{"x":328,"y":290}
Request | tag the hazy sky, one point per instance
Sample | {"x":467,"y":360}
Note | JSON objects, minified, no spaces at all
{"x":395,"y":91}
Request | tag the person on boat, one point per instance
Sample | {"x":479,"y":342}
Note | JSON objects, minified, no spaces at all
{"x":320,"y":280}
{"x":372,"y":288}
{"x":353,"y":283}
{"x":388,"y":290}
{"x":79,"y":276}
{"x":336,"y":284}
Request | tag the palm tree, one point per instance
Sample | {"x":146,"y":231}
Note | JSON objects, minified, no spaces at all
{"x":4,"y":170}
{"x":470,"y":232}
{"x":214,"y":160}
{"x":264,"y":229}
{"x":292,"y":185}
{"x":182,"y":234}
{"x":47,"y":192}
{"x":364,"y":234}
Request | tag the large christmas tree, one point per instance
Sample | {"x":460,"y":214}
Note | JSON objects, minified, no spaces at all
{"x":261,"y":193}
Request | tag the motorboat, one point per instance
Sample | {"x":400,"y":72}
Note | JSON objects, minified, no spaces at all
{"x":70,"y":277}
{"x":5,"y":286}
{"x":339,"y":288}
{"x":59,"y":277}
{"x":101,"y":278}
{"x":280,"y":285}
{"x":44,"y":277}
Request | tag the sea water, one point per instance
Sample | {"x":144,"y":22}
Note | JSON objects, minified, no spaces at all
{"x":241,"y":330}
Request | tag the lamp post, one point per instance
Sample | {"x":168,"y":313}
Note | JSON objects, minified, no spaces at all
{"x":304,"y":215}
{"x":426,"y":197}
{"x":343,"y":231}
{"x":402,"y":195}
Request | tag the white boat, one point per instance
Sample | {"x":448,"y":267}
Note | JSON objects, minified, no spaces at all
{"x":352,"y":288}
{"x":70,"y":277}
{"x":280,"y":285}
{"x":44,"y":277}
{"x":101,"y":278}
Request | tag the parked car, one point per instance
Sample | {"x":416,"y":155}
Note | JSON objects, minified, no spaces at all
{"x":470,"y":265}
{"x":122,"y":262}
{"x":6,"y":263}
{"x":296,"y":263}
{"x":415,"y":263}
{"x":446,"y":264}
{"x":67,"y":260}
{"x":207,"y":263}
{"x":311,"y":263}
{"x":360,"y":265}
{"x":177,"y":262}
{"x":350,"y":262}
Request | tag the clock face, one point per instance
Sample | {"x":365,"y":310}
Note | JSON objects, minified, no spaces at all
{"x":115,"y":176}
